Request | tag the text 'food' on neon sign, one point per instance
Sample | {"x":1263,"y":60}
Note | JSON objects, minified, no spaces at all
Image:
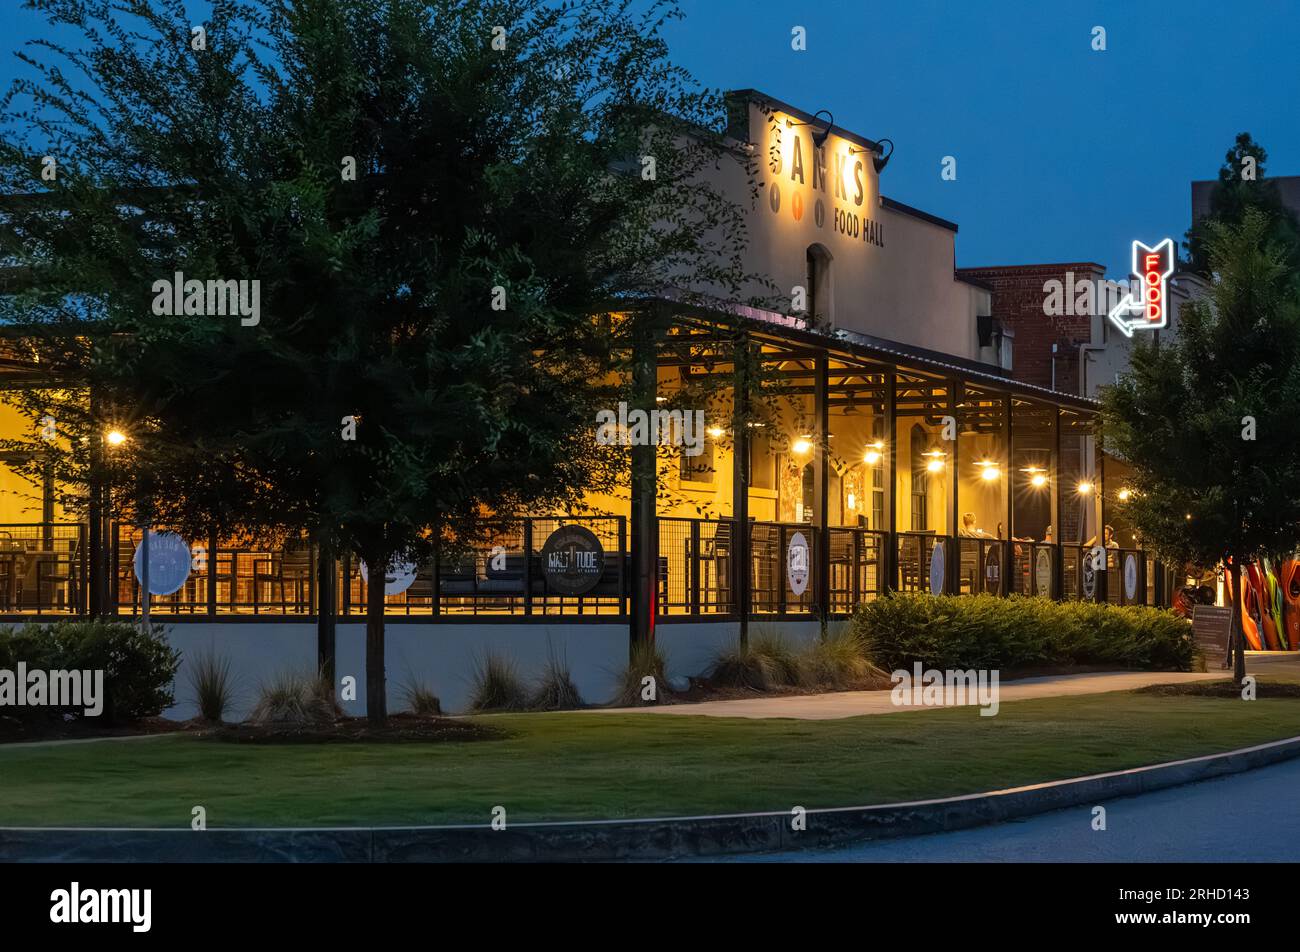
{"x":1152,"y":266}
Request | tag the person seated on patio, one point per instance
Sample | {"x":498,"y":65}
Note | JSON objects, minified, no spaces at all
{"x":1109,"y":534}
{"x":969,"y":530}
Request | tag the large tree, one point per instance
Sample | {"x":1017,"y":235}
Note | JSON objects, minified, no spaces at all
{"x":1208,"y":419}
{"x":1241,"y":187}
{"x":439,"y":199}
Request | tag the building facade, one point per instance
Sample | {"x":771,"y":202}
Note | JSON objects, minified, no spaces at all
{"x":903,"y":455}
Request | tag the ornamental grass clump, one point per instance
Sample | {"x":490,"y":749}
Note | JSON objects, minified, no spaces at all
{"x":496,"y":685}
{"x":292,"y":697}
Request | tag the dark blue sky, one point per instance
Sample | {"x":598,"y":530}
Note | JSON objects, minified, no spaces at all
{"x":1063,"y":153}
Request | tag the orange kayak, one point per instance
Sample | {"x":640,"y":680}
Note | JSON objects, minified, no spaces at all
{"x":1288,"y":580}
{"x":1259,"y":608}
{"x":1248,"y":626}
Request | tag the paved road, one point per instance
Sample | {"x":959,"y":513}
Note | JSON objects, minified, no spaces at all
{"x":1248,"y":817}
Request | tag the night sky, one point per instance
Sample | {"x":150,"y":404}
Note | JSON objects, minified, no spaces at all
{"x":1063,"y":153}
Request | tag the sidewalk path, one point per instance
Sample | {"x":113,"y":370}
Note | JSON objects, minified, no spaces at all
{"x":820,"y":707}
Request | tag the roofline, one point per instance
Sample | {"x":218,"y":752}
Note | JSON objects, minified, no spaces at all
{"x":1055,"y":265}
{"x":757,"y":94}
{"x":898,"y":206}
{"x":893,"y":354}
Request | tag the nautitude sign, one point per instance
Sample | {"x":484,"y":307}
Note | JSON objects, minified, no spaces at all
{"x":1152,"y":267}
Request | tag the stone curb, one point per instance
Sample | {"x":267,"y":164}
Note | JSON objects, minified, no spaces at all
{"x":649,"y":839}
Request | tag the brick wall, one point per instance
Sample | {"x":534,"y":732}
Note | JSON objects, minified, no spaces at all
{"x":1018,"y":298}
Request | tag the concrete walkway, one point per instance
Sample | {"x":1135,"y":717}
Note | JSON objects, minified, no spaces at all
{"x":820,"y":707}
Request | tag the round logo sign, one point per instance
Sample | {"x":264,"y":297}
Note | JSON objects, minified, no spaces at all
{"x":169,"y":562}
{"x":397,"y":579}
{"x":1043,"y":572}
{"x":993,"y":570}
{"x":1089,"y":579}
{"x":936,"y":569}
{"x":573,"y":560}
{"x":1130,"y":577}
{"x":796,"y":563}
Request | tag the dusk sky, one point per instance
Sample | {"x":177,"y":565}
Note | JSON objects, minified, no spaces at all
{"x":1063,"y":153}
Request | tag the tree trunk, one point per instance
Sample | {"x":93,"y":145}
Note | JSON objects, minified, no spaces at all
{"x":376,"y":690}
{"x":325,"y":620}
{"x":1238,"y":638}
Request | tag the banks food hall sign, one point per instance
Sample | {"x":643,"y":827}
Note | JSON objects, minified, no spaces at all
{"x":1146,"y":308}
{"x":827,"y":183}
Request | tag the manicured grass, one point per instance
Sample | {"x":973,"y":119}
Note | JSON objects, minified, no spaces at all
{"x":570,"y":766}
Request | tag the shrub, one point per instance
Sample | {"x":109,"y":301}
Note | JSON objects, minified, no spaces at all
{"x":985,"y":631}
{"x":420,"y":699}
{"x":496,"y":685}
{"x":213,"y":685}
{"x":555,"y":690}
{"x":646,"y":660}
{"x":295,"y":698}
{"x":139,"y":667}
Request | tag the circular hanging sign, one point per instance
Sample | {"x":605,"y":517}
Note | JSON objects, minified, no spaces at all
{"x":1043,"y":572}
{"x":936,"y":569}
{"x":1130,"y":577}
{"x":1089,"y":579}
{"x":993,"y":570}
{"x":796,"y":563}
{"x":169,"y":562}
{"x":573,"y":560}
{"x":397,"y":579}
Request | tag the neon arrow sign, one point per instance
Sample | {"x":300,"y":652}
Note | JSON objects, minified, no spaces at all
{"x":1152,"y":266}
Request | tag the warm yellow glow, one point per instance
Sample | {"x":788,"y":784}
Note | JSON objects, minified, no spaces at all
{"x":1038,"y":481}
{"x":1123,"y":495}
{"x":872,"y":457}
{"x":990,"y":473}
{"x":852,"y":501}
{"x":716,"y":432}
{"x":801,"y":445}
{"x":115,"y":437}
{"x":935,"y":465}
{"x":1084,"y":488}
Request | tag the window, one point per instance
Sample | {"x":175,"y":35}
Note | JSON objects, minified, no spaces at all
{"x":818,"y":275}
{"x":698,"y":468}
{"x":920,"y":480}
{"x":762,"y":464}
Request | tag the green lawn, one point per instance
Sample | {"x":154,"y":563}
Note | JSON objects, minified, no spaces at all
{"x":559,"y":766}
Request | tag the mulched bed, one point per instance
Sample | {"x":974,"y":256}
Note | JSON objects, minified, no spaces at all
{"x":400,"y":729}
{"x":1223,"y":689}
{"x":16,"y":731}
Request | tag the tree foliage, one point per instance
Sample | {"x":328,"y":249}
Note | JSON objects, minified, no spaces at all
{"x":459,"y":299}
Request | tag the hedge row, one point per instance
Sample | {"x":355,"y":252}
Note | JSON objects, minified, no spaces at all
{"x":138,"y":667}
{"x":985,"y":631}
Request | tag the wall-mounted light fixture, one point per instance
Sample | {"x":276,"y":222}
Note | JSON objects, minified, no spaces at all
{"x":878,"y":161}
{"x":819,"y":138}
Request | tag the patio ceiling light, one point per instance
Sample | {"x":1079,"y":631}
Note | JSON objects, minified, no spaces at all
{"x":802,"y":445}
{"x":115,"y":437}
{"x":1084,"y":487}
{"x":1038,"y":480}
